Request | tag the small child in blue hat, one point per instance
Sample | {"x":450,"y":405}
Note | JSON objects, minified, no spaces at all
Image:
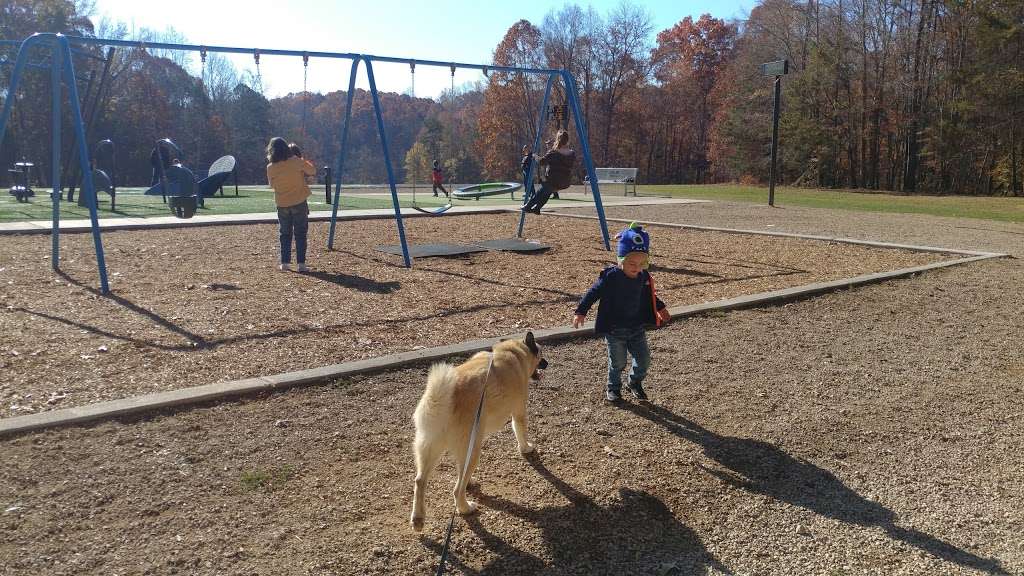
{"x":629,"y":304}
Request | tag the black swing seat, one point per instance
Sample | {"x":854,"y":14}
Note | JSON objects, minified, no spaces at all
{"x":182,"y":206}
{"x":101,"y":181}
{"x":435,"y":212}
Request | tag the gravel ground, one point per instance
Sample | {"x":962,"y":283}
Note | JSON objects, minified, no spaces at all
{"x":920,"y":230}
{"x":872,"y":431}
{"x":199,"y":306}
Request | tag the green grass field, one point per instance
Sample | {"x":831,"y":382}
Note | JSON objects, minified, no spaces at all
{"x":131,"y":202}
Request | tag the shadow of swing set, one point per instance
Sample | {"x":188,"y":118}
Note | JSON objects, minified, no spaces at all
{"x":175,"y":184}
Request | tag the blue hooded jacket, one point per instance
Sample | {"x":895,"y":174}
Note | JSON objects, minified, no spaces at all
{"x":611,"y":288}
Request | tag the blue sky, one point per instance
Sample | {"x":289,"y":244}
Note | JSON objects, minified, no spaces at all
{"x":446,"y":30}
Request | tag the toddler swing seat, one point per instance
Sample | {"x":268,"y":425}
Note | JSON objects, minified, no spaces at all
{"x":179,"y":186}
{"x":182,"y":206}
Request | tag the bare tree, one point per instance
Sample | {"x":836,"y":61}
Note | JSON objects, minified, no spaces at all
{"x":221,"y":78}
{"x":622,"y":62}
{"x":568,"y":36}
{"x":168,"y":35}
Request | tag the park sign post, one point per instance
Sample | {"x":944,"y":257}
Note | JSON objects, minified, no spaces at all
{"x":778,"y":68}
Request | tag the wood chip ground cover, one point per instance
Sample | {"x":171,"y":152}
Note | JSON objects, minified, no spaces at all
{"x":872,"y":431}
{"x":198,"y":306}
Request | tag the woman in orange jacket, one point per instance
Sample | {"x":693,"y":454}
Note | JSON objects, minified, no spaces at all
{"x":286,"y":173}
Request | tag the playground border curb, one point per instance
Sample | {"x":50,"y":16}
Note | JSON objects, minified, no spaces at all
{"x":200,"y":394}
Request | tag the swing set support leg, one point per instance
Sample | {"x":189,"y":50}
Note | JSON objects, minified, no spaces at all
{"x":340,"y":162}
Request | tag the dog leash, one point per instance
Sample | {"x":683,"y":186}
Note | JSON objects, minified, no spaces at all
{"x":465,"y":466}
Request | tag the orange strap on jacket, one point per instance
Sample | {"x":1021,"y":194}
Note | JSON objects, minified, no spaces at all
{"x":654,"y":302}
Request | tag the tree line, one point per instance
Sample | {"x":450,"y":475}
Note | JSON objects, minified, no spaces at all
{"x":897,"y":95}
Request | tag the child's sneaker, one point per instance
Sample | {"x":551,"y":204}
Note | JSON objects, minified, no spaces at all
{"x":638,"y":390}
{"x":284,"y":267}
{"x":612,"y":396}
{"x":302,"y":267}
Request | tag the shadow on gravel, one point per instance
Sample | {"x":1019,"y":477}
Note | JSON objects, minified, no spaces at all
{"x":638,"y":534}
{"x":355,"y":282}
{"x":197,"y":342}
{"x":760,"y":467}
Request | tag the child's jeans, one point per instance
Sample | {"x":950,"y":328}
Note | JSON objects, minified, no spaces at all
{"x":620,"y":341}
{"x":294,"y":220}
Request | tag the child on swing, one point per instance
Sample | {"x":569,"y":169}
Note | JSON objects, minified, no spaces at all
{"x":628,"y":305}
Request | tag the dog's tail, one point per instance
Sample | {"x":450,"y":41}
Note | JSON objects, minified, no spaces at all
{"x":435,"y":406}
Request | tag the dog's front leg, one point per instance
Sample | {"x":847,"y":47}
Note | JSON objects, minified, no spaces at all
{"x":519,"y":427}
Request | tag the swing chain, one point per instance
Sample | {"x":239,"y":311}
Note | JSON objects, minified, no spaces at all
{"x":305,"y":70}
{"x":451,"y":94}
{"x":305,"y":91}
{"x":412,"y":73}
{"x":202,"y":80}
{"x":259,"y":75}
{"x":202,"y":65}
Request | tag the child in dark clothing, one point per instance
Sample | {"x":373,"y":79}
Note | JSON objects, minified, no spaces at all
{"x":437,"y":177}
{"x":628,"y":304}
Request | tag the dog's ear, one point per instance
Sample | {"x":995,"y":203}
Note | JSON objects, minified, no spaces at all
{"x":531,"y":343}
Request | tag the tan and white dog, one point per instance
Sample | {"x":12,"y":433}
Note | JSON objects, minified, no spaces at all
{"x":447,"y":411}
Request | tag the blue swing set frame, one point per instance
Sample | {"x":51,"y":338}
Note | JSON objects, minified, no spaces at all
{"x":61,"y":63}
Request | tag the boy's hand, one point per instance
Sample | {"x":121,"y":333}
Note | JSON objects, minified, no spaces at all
{"x":578,"y":320}
{"x":664,"y":315}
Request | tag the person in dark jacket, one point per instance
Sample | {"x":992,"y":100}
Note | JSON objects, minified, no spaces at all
{"x":528,"y":190}
{"x":629,"y":304}
{"x":559,"y":162}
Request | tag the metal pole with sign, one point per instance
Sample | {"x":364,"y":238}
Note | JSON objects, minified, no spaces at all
{"x":779,"y":68}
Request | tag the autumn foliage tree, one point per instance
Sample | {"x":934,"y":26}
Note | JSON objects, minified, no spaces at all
{"x":689,"y":61}
{"x":508,"y":118}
